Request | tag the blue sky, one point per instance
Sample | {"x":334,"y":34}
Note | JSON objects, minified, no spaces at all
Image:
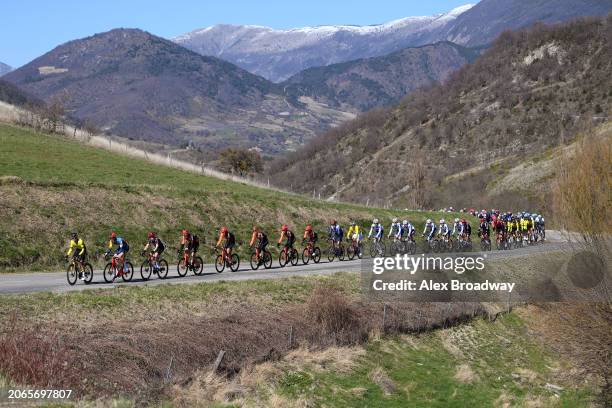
{"x":30,"y":28}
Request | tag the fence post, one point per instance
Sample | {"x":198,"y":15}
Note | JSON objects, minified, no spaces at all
{"x":509,"y":308}
{"x":384,"y":317}
{"x":218,"y":361}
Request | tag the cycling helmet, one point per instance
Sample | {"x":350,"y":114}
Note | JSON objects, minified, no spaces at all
{"x":224,"y":230}
{"x":308,"y":228}
{"x":456,"y":219}
{"x":333,"y":222}
{"x":442,"y":221}
{"x":405,"y":222}
{"x":394,"y":220}
{"x":429,"y":221}
{"x":151,"y":235}
{"x":113,"y":235}
{"x":254,"y":228}
{"x":375,"y":221}
{"x":185,"y":232}
{"x":463,"y":220}
{"x":352,"y":223}
{"x":284,"y":227}
{"x":74,"y":235}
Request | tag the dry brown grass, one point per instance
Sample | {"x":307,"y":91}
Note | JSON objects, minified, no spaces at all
{"x":156,"y":356}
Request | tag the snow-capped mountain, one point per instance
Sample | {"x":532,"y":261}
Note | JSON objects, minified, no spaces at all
{"x":278,"y":54}
{"x":4,"y":69}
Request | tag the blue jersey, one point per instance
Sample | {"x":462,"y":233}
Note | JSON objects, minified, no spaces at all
{"x":376,"y":230}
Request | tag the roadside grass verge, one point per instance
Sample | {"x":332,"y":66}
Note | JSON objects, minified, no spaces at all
{"x":51,"y":185}
{"x":158,"y":343}
{"x":476,"y":364}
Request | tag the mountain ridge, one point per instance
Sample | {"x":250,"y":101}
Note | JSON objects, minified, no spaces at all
{"x":279,"y":54}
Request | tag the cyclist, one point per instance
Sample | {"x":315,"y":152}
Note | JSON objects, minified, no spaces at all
{"x":407,"y":231}
{"x":445,"y":230}
{"x":189,"y":244}
{"x":122,"y":249}
{"x":355,"y":235}
{"x":395,"y":228}
{"x":431,"y":227}
{"x":290,"y":236}
{"x":157,"y":247}
{"x":376,"y":230}
{"x":335,"y":233}
{"x":228,"y":239}
{"x":483,"y":229}
{"x":262,"y":241}
{"x":77,"y":246}
{"x":457,"y":228}
{"x":310,"y":236}
{"x":499,"y":228}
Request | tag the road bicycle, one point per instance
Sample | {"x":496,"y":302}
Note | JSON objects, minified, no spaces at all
{"x":151,"y":266}
{"x":354,"y":249}
{"x":462,"y":244}
{"x":311,"y":252}
{"x":485,"y":242}
{"x":334,"y":250}
{"x":377,"y":248}
{"x":288,"y":255}
{"x":397,"y":247}
{"x":264,"y":258}
{"x":409,"y":245}
{"x":77,"y":269}
{"x":112,"y":271}
{"x":431,"y":244}
{"x":224,"y":260}
{"x":188,"y":263}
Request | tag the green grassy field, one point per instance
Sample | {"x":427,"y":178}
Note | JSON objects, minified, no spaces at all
{"x":480,"y":364}
{"x":50,"y":186}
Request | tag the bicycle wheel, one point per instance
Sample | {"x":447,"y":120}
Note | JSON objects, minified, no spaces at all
{"x":282,"y":258}
{"x":254,"y":261}
{"x":305,"y":256}
{"x":145,"y":270}
{"x":341,"y":252}
{"x":127,"y":275}
{"x":162,"y":272}
{"x":294,"y":257}
{"x":373,"y":250}
{"x":197,"y":265}
{"x":219,"y":264}
{"x":331,"y":254}
{"x":316,"y":255}
{"x":181,"y":268}
{"x":411,"y":247}
{"x":267,"y":259}
{"x":71,"y":274}
{"x":350,"y":252}
{"x":88,"y":273}
{"x":235,"y":263}
{"x":109,"y":273}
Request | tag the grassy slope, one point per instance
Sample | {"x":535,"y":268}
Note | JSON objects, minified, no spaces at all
{"x":479,"y":364}
{"x":60,"y":185}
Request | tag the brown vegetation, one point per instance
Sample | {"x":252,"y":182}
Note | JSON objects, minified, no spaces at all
{"x":144,"y":359}
{"x":532,"y":90}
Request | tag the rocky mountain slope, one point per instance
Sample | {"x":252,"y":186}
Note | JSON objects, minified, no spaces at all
{"x":379,"y":81}
{"x":279,"y":54}
{"x":531,"y":91}
{"x":134,"y":84}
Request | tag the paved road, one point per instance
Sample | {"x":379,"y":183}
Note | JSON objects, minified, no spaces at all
{"x":56,"y":281}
